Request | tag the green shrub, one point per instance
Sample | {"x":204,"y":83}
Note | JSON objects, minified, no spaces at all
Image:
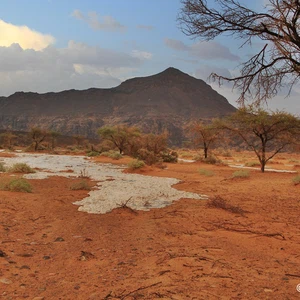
{"x":296,"y":180}
{"x":206,"y":172}
{"x":2,"y":167}
{"x":21,"y":168}
{"x":81,"y":185}
{"x":16,"y":185}
{"x":92,"y":153}
{"x":212,"y":160}
{"x":241,"y":174}
{"x":112,"y":154}
{"x":148,"y":156}
{"x":170,"y":157}
{"x":136,"y":164}
{"x":252,"y":164}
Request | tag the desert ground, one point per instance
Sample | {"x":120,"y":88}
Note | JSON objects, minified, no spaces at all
{"x":243,"y":242}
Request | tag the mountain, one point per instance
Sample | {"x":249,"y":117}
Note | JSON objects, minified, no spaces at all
{"x":168,"y":100}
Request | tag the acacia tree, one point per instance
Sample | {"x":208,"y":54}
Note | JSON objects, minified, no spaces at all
{"x":119,"y":135}
{"x":275,"y":65}
{"x":204,"y":134}
{"x":38,"y":135}
{"x":265,"y":133}
{"x":8,"y":138}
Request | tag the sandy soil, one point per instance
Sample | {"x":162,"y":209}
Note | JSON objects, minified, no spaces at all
{"x":188,"y":250}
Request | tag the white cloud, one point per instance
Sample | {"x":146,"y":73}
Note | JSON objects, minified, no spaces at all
{"x":96,"y":22}
{"x":77,"y":66}
{"x":24,"y":36}
{"x":204,"y":50}
{"x":143,"y":55}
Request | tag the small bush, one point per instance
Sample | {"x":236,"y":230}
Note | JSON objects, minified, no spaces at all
{"x":112,"y":154}
{"x":136,"y":164}
{"x":252,"y":164}
{"x":92,"y":153}
{"x":219,"y":202}
{"x":16,"y":185}
{"x":148,"y":156}
{"x":296,"y":180}
{"x":206,"y":172}
{"x":21,"y":168}
{"x":212,"y":160}
{"x":2,"y":167}
{"x":241,"y":174}
{"x":170,"y":157}
{"x":81,"y":185}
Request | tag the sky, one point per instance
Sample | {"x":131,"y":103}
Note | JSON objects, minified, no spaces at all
{"x":54,"y":45}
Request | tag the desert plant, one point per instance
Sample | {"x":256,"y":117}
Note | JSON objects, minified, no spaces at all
{"x":206,"y":172}
{"x":170,"y":156}
{"x":2,"y":167}
{"x":241,"y":174}
{"x":21,"y":168}
{"x":16,"y":185}
{"x":252,"y":164}
{"x":92,"y":153}
{"x":80,"y":185}
{"x":84,"y":174}
{"x":112,"y":154}
{"x":296,"y":180}
{"x":211,"y":159}
{"x":136,"y":164}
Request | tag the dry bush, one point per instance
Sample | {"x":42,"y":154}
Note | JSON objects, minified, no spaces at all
{"x":136,"y":164}
{"x":2,"y":167}
{"x":21,"y":168}
{"x":219,"y":202}
{"x":80,"y":185}
{"x":296,"y":180}
{"x":16,"y":185}
{"x":241,"y":174}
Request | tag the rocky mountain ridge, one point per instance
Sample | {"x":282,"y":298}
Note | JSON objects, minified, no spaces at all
{"x":165,"y":101}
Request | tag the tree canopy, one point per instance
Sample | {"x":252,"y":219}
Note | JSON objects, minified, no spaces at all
{"x":264,"y":133}
{"x":275,"y":65}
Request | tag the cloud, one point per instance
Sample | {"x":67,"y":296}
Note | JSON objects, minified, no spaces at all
{"x":203,"y":50}
{"x":145,"y":27}
{"x":176,"y":45}
{"x":96,"y":22}
{"x":141,"y":54}
{"x":24,"y":36}
{"x":54,"y":69}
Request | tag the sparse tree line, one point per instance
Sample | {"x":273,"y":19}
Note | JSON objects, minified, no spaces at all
{"x":264,"y":133}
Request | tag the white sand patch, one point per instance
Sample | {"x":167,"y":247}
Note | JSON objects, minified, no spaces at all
{"x":113,"y":186}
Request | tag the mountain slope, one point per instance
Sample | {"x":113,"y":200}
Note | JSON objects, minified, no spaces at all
{"x":167,"y":100}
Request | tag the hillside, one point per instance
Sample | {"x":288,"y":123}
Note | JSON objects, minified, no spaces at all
{"x":168,"y":100}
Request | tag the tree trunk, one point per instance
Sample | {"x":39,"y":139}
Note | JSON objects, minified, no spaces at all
{"x":205,"y":150}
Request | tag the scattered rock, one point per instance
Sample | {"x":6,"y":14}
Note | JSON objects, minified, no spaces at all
{"x":25,"y":267}
{"x":86,"y":256}
{"x":46,"y":257}
{"x":5,"y":281}
{"x":2,"y":254}
{"x":59,"y":239}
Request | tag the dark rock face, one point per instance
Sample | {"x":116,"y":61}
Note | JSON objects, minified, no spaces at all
{"x":165,"y":101}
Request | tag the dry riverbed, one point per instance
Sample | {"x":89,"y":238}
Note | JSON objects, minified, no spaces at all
{"x":187,"y":250}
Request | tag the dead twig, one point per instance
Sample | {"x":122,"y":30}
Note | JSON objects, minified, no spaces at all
{"x":124,"y":205}
{"x":292,"y":275}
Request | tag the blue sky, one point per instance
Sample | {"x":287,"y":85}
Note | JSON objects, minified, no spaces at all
{"x":53,"y":45}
